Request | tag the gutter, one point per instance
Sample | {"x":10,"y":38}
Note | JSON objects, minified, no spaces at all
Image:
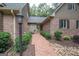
{"x":14,"y":36}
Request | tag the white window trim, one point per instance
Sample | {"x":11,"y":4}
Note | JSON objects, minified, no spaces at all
{"x":73,"y":6}
{"x":64,"y":23}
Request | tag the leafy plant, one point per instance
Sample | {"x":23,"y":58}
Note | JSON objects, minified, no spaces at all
{"x":5,"y":41}
{"x":46,"y":35}
{"x":26,"y":37}
{"x":67,"y":38}
{"x":76,"y":39}
{"x":57,"y":35}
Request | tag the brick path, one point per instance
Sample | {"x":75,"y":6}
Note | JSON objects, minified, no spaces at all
{"x":42,"y":46}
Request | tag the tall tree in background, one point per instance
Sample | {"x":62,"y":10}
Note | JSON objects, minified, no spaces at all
{"x":42,"y":9}
{"x":33,"y":10}
{"x":55,"y":5}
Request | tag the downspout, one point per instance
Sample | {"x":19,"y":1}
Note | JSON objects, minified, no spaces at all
{"x":14,"y":24}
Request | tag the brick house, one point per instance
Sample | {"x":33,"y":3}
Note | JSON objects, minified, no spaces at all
{"x":8,"y":20}
{"x":65,"y":19}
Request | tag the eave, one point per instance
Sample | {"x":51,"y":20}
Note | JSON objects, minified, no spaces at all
{"x":47,"y":19}
{"x":7,"y":11}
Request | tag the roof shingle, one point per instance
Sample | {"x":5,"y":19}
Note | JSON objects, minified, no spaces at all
{"x":35,"y":19}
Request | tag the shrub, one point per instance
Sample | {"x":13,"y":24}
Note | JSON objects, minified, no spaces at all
{"x":46,"y":35}
{"x":26,"y":37}
{"x":76,"y":39}
{"x":5,"y":41}
{"x":67,"y":38}
{"x":57,"y":35}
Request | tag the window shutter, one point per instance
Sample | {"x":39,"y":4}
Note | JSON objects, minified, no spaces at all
{"x":68,"y":25}
{"x":77,"y":24}
{"x":60,"y":23}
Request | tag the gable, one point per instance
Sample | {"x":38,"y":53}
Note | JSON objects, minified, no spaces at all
{"x":64,"y":12}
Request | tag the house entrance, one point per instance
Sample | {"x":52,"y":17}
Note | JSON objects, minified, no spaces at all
{"x":34,"y":28}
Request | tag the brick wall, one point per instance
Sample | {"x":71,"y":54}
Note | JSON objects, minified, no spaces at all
{"x":46,"y":26}
{"x":71,"y":31}
{"x":8,"y":24}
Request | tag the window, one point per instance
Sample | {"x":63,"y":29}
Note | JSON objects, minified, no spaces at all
{"x":72,"y":6}
{"x":63,"y":23}
{"x":77,"y":24}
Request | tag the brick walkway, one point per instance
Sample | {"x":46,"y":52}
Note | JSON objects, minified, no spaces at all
{"x":42,"y":46}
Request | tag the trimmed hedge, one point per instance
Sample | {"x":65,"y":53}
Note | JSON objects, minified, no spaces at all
{"x":46,"y":35}
{"x":76,"y":39}
{"x":57,"y":35}
{"x":67,"y":38}
{"x":5,"y":41}
{"x":26,"y":38}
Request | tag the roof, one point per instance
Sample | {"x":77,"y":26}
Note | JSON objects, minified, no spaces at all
{"x":15,"y":5}
{"x":7,"y":7}
{"x":59,"y":6}
{"x":6,"y":10}
{"x":18,"y":6}
{"x":35,"y":19}
{"x":47,"y":19}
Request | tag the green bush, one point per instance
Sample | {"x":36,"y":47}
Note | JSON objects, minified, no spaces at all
{"x":5,"y":41}
{"x":67,"y":38}
{"x":46,"y":35}
{"x":57,"y":35}
{"x":76,"y":39}
{"x":26,"y":37}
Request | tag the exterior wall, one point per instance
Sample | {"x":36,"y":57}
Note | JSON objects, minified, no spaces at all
{"x":26,"y":16}
{"x":46,"y":26}
{"x":71,"y":31}
{"x":8,"y":24}
{"x":64,"y":13}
